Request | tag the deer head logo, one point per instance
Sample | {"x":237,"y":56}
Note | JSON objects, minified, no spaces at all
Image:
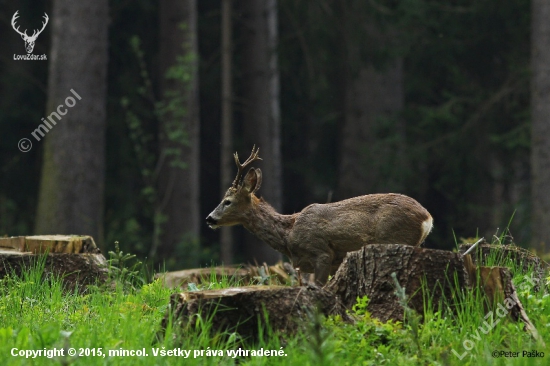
{"x":29,"y":40}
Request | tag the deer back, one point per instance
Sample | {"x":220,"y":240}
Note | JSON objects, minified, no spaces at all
{"x":377,"y":218}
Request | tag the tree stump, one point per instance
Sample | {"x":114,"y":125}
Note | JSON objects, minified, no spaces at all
{"x":245,"y":309}
{"x":74,"y":259}
{"x":443,"y":273}
{"x":368,"y":272}
{"x":509,"y":256}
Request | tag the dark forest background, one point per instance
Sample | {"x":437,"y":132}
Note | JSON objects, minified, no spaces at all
{"x":445,"y":101}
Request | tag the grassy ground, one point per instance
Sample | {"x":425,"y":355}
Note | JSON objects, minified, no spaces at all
{"x":36,"y":315}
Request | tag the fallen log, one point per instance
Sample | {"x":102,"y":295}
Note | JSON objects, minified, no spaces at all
{"x":244,"y":310}
{"x":74,"y":259}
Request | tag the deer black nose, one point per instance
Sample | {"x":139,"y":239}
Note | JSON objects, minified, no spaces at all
{"x":211,"y":221}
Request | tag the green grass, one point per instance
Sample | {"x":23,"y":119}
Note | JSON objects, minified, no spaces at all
{"x":35,"y":314}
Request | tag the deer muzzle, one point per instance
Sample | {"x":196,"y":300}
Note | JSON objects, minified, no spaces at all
{"x":212,"y":222}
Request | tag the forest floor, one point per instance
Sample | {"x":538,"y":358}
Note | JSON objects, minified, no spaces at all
{"x":40,"y":324}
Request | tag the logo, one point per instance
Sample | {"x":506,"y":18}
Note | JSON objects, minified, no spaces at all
{"x":29,"y":40}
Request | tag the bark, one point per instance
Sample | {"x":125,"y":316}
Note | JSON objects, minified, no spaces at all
{"x":227,"y":162}
{"x":73,"y":173}
{"x":261,"y":112}
{"x":540,"y":132}
{"x":367,"y":272}
{"x":245,"y":309}
{"x":178,"y":188}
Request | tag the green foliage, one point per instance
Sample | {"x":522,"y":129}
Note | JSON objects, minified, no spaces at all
{"x":38,"y":314}
{"x":318,"y":336}
{"x":121,"y":271}
{"x":360,"y":306}
{"x":412,"y":318}
{"x":368,"y":341}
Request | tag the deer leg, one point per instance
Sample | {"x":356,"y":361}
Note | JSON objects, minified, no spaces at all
{"x":322,"y":269}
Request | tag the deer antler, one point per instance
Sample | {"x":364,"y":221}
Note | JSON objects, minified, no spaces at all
{"x":35,"y":32}
{"x":241,"y":167}
{"x":15,"y":16}
{"x":46,"y":18}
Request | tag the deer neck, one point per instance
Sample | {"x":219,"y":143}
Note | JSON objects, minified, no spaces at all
{"x":269,"y":226}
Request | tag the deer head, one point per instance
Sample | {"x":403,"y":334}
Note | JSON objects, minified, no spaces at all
{"x":238,"y":198}
{"x":29,"y":40}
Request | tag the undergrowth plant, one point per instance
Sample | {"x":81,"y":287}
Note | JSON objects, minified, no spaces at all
{"x":124,"y":269}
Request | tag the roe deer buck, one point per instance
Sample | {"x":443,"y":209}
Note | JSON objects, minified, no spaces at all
{"x":318,"y":238}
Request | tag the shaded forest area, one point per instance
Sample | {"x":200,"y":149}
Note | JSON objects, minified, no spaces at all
{"x":443,"y":101}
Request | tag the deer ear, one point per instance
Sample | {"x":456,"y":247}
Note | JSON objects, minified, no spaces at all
{"x":253,"y":180}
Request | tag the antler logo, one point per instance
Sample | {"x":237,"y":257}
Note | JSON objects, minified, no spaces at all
{"x":29,"y":40}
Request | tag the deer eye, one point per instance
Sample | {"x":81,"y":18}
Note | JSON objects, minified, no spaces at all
{"x":226,"y":202}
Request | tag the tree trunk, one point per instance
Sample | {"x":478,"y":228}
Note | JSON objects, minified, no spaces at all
{"x":226,"y":158}
{"x":73,"y":173}
{"x":262,"y":125}
{"x":178,"y":186}
{"x":540,"y":133}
